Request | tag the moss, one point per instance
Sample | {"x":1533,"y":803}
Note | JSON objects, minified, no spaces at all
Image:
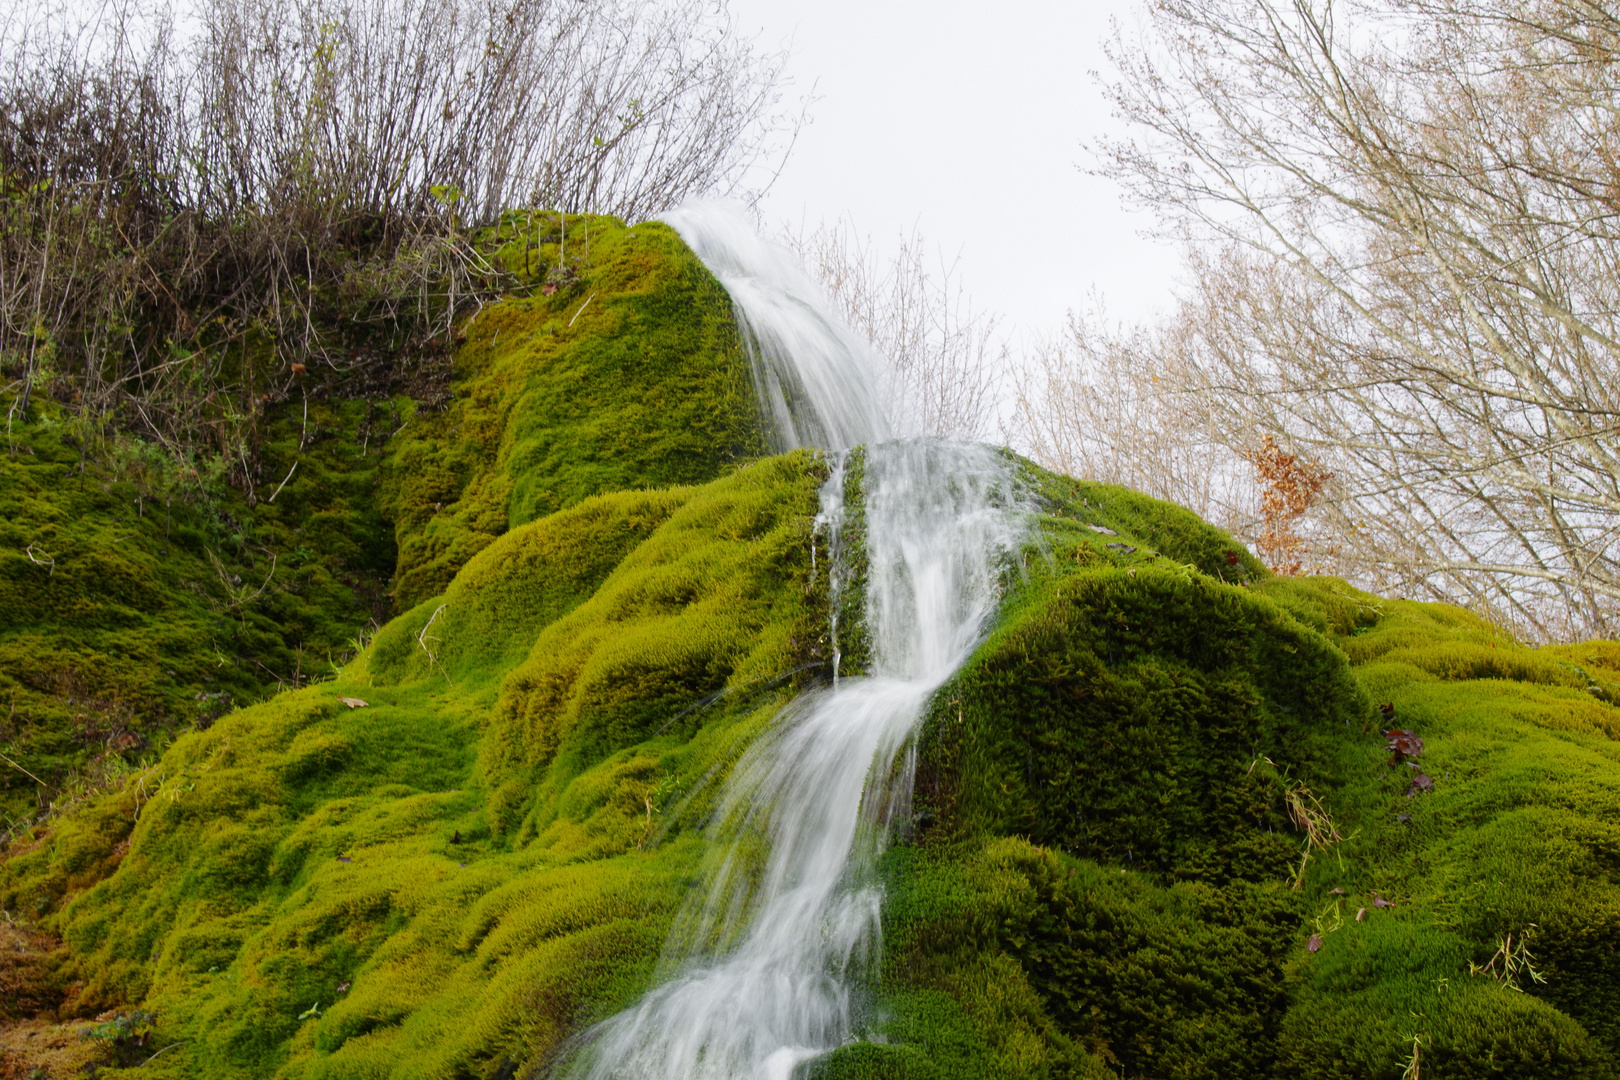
{"x":629,"y":375}
{"x":1102,"y":798}
{"x":313,"y":889}
{"x":139,"y":595}
{"x":1104,"y":876}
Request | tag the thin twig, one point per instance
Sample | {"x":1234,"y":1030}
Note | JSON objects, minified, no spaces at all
{"x":165,"y":1050}
{"x":24,"y":771}
{"x":281,"y":485}
{"x":582,"y":308}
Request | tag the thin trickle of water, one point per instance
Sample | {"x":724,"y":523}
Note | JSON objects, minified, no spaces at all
{"x":830,"y":523}
{"x":767,"y":965}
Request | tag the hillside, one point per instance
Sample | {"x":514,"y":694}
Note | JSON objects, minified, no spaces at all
{"x":1158,"y":829}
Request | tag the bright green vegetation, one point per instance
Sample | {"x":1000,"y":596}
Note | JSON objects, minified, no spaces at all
{"x":467,"y":838}
{"x":1102,"y":879}
{"x":140,"y":593}
{"x":464,"y":869}
{"x":629,"y":375}
{"x":451,"y":879}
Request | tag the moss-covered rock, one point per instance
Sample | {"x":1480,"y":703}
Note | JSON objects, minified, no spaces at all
{"x":140,"y":594}
{"x":319,"y":887}
{"x":1105,"y":796}
{"x":623,"y":371}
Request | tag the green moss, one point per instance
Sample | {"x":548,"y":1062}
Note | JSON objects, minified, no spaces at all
{"x":629,"y":375}
{"x":140,"y":595}
{"x":313,"y":889}
{"x":1104,"y":876}
{"x":1142,"y":721}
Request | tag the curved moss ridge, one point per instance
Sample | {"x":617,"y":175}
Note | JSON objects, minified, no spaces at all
{"x":628,"y":375}
{"x":449,"y":879}
{"x":1101,"y":883}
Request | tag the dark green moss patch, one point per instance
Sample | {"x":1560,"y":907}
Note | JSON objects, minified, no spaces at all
{"x":140,"y":595}
{"x":1146,"y":721}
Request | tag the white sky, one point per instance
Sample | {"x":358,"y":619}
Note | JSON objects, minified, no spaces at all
{"x":965,"y":120}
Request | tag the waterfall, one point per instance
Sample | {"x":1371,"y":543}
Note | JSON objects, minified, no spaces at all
{"x":816,"y":378}
{"x":768,"y":970}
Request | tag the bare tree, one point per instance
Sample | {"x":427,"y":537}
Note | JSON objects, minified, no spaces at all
{"x":1403,"y":217}
{"x":1094,"y":402}
{"x":946,"y":358}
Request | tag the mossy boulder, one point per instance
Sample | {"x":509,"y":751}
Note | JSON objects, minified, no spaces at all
{"x":622,"y":371}
{"x":1108,"y":876}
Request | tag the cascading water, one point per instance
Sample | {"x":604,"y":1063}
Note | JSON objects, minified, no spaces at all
{"x":816,"y":379}
{"x":768,"y":971}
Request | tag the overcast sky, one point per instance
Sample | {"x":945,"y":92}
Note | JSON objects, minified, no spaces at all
{"x":966,"y":120}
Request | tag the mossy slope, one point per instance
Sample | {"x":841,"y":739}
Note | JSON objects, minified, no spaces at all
{"x":140,"y":593}
{"x":1104,"y":876}
{"x":628,"y":374}
{"x":314,"y":889}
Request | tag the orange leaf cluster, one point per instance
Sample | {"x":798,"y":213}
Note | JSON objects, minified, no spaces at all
{"x":1289,"y":488}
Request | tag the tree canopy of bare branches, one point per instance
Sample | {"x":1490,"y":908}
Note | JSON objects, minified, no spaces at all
{"x":1404,"y":218}
{"x":945,"y":358}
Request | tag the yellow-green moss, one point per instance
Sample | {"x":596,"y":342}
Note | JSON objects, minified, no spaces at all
{"x":1101,"y":879}
{"x":1142,"y":720}
{"x":352,"y":863}
{"x":140,"y":594}
{"x":629,"y":375}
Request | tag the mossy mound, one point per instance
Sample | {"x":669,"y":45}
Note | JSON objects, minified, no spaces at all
{"x":623,"y":370}
{"x":417,"y":868}
{"x":1108,"y":878}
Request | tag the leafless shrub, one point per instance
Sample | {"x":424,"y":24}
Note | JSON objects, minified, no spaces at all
{"x":946,"y":357}
{"x":1096,"y":402}
{"x":192,"y":200}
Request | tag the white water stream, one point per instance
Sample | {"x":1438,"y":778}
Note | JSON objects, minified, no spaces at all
{"x":782,"y":955}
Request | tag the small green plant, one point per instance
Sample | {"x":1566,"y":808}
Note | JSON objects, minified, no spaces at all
{"x":1511,"y":960}
{"x":1414,"y":1061}
{"x":124,"y":1036}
